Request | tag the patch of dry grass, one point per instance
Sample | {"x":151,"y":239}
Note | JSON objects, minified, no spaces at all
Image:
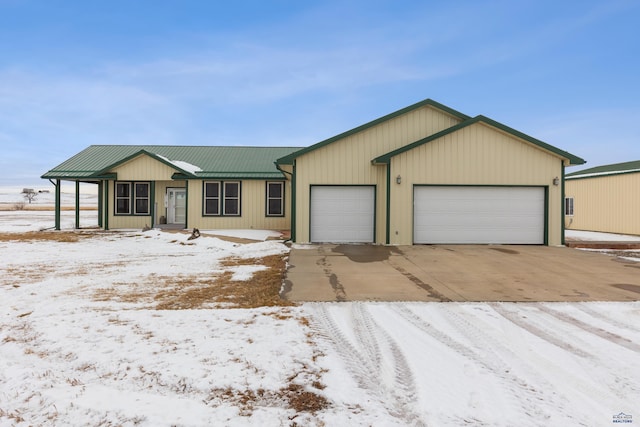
{"x":294,"y":396}
{"x":186,"y":292}
{"x":49,"y":236}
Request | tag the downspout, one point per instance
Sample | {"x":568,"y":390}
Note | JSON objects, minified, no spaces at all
{"x":562,"y":216}
{"x":57,"y":203}
{"x":77,"y":204}
{"x":293,"y":198}
{"x":388,"y":219}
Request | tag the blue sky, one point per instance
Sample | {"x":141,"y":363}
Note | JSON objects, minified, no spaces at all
{"x":292,"y":73}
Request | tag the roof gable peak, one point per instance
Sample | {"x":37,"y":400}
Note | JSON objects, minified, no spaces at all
{"x":424,"y":103}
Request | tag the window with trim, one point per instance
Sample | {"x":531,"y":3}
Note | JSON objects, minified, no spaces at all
{"x":211,"y":198}
{"x":222,"y":198}
{"x":568,"y":206}
{"x":275,"y":198}
{"x":132,"y":198}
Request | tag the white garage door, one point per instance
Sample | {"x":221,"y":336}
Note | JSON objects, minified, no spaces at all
{"x":507,"y":215}
{"x":342,"y":214}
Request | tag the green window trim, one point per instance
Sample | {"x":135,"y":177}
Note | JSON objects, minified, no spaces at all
{"x":132,"y":198}
{"x":222,"y":198}
{"x":274,"y":195}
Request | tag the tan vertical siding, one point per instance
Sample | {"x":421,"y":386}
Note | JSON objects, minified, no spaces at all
{"x":475,"y":155}
{"x":252,"y":209}
{"x":253,"y":200}
{"x":606,"y":203}
{"x":348,"y":161}
{"x":144,"y":168}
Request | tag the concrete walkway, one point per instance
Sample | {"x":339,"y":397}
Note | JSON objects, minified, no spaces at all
{"x":457,"y":273}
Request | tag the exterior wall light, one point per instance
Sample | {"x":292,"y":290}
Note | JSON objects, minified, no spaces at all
{"x":398,"y":179}
{"x":556,"y":181}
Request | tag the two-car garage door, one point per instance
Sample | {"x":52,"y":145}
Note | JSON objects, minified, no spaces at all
{"x":469,"y":214}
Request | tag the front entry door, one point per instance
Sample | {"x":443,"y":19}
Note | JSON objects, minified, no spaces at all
{"x":176,"y":205}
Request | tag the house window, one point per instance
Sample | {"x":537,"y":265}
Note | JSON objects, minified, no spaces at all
{"x":275,"y":198}
{"x":568,"y":206}
{"x":231,"y":198}
{"x":212,"y":198}
{"x":141,"y":197}
{"x":222,"y":198}
{"x":132,"y":196}
{"x":123,"y":198}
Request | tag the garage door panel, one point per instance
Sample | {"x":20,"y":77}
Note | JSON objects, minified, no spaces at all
{"x":342,"y":214}
{"x":508,"y":215}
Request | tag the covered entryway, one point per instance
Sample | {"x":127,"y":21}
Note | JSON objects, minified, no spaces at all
{"x":342,"y":214}
{"x":479,"y":215}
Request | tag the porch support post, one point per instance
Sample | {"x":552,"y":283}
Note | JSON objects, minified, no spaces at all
{"x":106,"y":205}
{"x":152,"y":204}
{"x":186,"y":204}
{"x":100,"y":202}
{"x":57,"y":210}
{"x":292,"y":232}
{"x":77,"y":204}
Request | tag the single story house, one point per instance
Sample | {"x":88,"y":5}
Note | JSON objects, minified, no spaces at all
{"x":181,"y":186}
{"x":604,"y":198}
{"x":425,"y":174}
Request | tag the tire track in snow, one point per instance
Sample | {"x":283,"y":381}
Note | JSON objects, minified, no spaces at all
{"x":528,"y":397}
{"x":365,"y":362}
{"x":584,"y":307}
{"x":599,"y":332}
{"x":403,"y":376}
{"x":576,"y":382}
{"x":365,"y":335}
{"x":520,"y":321}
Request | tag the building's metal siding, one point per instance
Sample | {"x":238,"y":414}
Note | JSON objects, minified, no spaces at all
{"x":348,"y":161}
{"x":144,"y":168}
{"x":605,"y":203}
{"x":475,"y":155}
{"x":253,"y":209}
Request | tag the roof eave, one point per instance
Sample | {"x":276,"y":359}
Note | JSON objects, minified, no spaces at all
{"x":565,"y":156}
{"x":288,"y":160}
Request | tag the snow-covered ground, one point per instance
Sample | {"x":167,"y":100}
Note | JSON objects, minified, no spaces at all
{"x":45,"y":196}
{"x":599,"y":237}
{"x":75,"y":351}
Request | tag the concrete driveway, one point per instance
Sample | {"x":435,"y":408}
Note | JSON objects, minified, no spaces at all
{"x":457,"y":273}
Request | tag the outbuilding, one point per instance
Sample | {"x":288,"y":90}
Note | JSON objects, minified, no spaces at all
{"x":604,"y":198}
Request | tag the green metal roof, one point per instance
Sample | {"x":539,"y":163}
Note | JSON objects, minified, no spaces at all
{"x":287,"y":160}
{"x":605,"y":170}
{"x":189,"y":161}
{"x":573,"y":160}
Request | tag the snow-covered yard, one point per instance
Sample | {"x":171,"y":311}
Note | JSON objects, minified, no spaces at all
{"x":85,"y":339}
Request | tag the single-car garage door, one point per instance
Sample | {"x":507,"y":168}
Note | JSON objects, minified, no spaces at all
{"x":342,"y":214}
{"x":458,"y":214}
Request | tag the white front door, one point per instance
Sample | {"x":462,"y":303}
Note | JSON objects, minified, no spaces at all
{"x":176,"y":205}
